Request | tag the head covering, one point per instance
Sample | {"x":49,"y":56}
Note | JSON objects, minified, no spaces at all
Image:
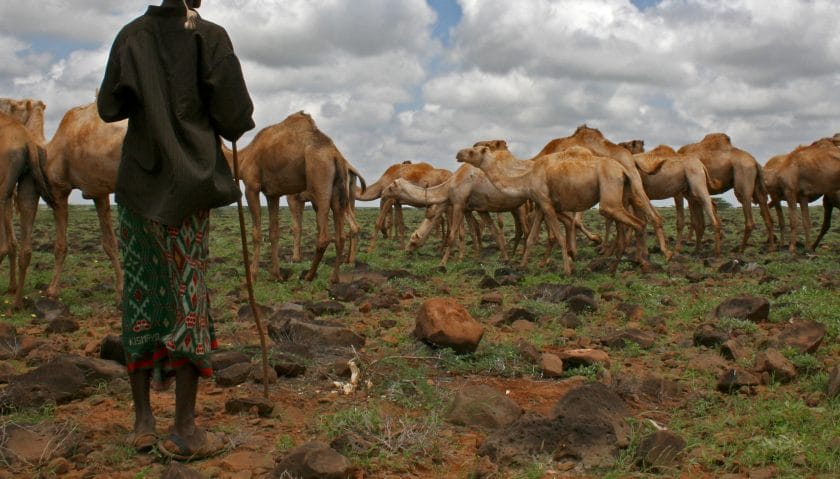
{"x":192,"y":17}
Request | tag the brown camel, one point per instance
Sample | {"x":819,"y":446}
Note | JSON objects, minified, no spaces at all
{"x":802,"y":176}
{"x":422,"y":174}
{"x":830,"y":201}
{"x":593,"y":140}
{"x":468,"y":189}
{"x":291,"y":157}
{"x":84,"y":154}
{"x":682,"y":175}
{"x":574,"y":180}
{"x":21,"y":156}
{"x":729,"y":168}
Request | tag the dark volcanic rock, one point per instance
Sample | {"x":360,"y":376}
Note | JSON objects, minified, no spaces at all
{"x":803,"y":336}
{"x":315,"y":333}
{"x":49,"y":309}
{"x":62,"y":325}
{"x":660,"y":449}
{"x":710,"y":336}
{"x":224,"y":359}
{"x":620,"y":339}
{"x":111,"y":348}
{"x":263,"y":406}
{"x":314,"y":460}
{"x":734,"y":379}
{"x":323,"y":308}
{"x":744,"y":307}
{"x":834,"y":382}
{"x":233,"y":375}
{"x":774,"y":363}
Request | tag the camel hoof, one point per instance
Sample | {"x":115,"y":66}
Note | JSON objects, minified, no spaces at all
{"x":668,"y":255}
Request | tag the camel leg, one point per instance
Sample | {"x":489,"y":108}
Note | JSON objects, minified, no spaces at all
{"x":698,"y":223}
{"x":384,"y":210}
{"x":60,"y":214}
{"x":350,"y":217}
{"x":338,"y":221}
{"x":806,"y":220}
{"x":553,"y":223}
{"x":28,"y":208}
{"x":253,"y":197}
{"x":761,"y":199}
{"x":322,"y":217}
{"x":475,"y":229}
{"x":399,"y":223}
{"x":622,"y":217}
{"x":8,"y":242}
{"x":533,"y":235}
{"x":296,"y":217}
{"x":594,"y":238}
{"x":274,"y":234}
{"x":777,"y":205}
{"x":519,"y":228}
{"x":792,"y":202}
{"x":828,"y":205}
{"x":498,"y":235}
{"x":109,"y":242}
{"x":456,"y":218}
{"x":678,"y":207}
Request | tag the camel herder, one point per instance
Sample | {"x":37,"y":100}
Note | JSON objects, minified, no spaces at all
{"x":180,"y":85}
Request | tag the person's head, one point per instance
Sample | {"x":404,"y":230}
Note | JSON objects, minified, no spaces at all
{"x":194,"y":3}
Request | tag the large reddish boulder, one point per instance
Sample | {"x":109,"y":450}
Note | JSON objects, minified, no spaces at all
{"x":443,"y":322}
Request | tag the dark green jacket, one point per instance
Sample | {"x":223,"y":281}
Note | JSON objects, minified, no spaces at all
{"x":180,"y":89}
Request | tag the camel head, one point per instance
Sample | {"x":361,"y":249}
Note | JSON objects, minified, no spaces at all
{"x":474,"y":156}
{"x":394,"y":189}
{"x":27,"y":111}
{"x":494,"y":145}
{"x":634,"y":146}
{"x":836,"y":139}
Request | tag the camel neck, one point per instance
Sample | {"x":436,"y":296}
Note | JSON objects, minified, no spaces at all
{"x":429,"y":196}
{"x":508,"y":174}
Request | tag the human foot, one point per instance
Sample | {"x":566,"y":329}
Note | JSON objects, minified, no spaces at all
{"x":201,"y":445}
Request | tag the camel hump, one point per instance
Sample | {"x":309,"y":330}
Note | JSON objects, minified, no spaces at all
{"x":585,"y":130}
{"x":663,"y":150}
{"x":718,"y":139}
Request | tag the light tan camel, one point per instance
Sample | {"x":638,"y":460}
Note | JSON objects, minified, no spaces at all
{"x":802,"y":176}
{"x":84,"y":154}
{"x":682,"y":175}
{"x":291,"y":157}
{"x":27,"y":111}
{"x":422,"y":174}
{"x":296,"y":206}
{"x":595,"y":141}
{"x":468,"y":189}
{"x":21,"y":156}
{"x":574,"y":180}
{"x":729,"y":168}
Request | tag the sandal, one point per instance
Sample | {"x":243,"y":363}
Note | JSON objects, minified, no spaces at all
{"x":175,"y":447}
{"x":143,"y":442}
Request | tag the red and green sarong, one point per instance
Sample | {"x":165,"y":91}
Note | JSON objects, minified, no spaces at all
{"x":166,"y":307}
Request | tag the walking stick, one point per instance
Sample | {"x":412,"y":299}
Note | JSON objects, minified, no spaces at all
{"x":249,"y":284}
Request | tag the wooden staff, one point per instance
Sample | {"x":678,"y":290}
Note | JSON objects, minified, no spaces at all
{"x":250,"y":285}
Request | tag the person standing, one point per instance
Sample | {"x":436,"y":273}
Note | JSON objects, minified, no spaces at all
{"x":181,"y":87}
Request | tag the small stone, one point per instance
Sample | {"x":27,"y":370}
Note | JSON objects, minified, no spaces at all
{"x":257,"y":373}
{"x":529,"y":352}
{"x":569,"y":320}
{"x":584,"y":357}
{"x":494,"y":298}
{"x":176,"y":470}
{"x":774,"y":363}
{"x":834,"y":382}
{"x":60,"y":466}
{"x":660,"y":449}
{"x":768,"y":472}
{"x":551,"y":365}
{"x":734,"y":379}
{"x":264,"y":407}
{"x":233,"y":375}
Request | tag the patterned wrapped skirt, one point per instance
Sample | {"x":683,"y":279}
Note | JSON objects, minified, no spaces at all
{"x":166,"y":308}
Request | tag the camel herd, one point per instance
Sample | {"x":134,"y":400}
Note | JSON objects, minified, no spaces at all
{"x":295,"y":159}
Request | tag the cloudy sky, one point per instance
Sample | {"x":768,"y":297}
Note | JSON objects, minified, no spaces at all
{"x":395,"y":80}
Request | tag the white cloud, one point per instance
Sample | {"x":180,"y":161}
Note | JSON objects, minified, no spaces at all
{"x":376,"y":80}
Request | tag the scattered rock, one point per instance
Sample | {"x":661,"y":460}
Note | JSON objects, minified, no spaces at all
{"x":443,"y":322}
{"x":59,"y":466}
{"x":803,"y":336}
{"x":649,"y":388}
{"x":176,"y":470}
{"x":774,"y":363}
{"x":620,"y":339}
{"x":288,"y":312}
{"x":315,"y":333}
{"x":61,"y":325}
{"x":516,"y":314}
{"x":243,"y":405}
{"x":7,"y":371}
{"x":660,"y":450}
{"x":551,"y":365}
{"x":246,"y":314}
{"x":256,"y":462}
{"x":346,"y":291}
{"x":233,"y":375}
{"x":744,"y":307}
{"x":37,"y":445}
{"x":111,"y":348}
{"x":314,"y":460}
{"x":325,"y":308}
{"x":570,"y":320}
{"x":632,"y":312}
{"x":488,"y":282}
{"x":709,"y":363}
{"x":492,"y":298}
{"x":732,"y":266}
{"x":482,"y":406}
{"x":573,"y":358}
{"x":257,"y":373}
{"x":734,"y":379}
{"x":733,"y":351}
{"x":529,"y":352}
{"x":710,"y":336}
{"x":580,"y":303}
{"x":224,"y":359}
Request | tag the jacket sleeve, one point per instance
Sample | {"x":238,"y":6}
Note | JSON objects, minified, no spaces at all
{"x":115,"y":99}
{"x":229,"y":103}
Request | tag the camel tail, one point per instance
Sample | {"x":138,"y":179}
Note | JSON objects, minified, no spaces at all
{"x":341,"y":187}
{"x":760,"y":193}
{"x":37,"y":161}
{"x":711,"y":184}
{"x":354,"y":174}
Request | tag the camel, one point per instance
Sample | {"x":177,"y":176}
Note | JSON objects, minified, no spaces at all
{"x":422,"y":174}
{"x":84,"y":154}
{"x":830,"y":201}
{"x":297,"y":203}
{"x":292,"y":157}
{"x":22,"y":155}
{"x":468,"y":189}
{"x":27,"y":111}
{"x":574,"y":180}
{"x":802,"y":176}
{"x":634,"y":146}
{"x":682,"y":175}
{"x":593,"y":140}
{"x":729,"y":168}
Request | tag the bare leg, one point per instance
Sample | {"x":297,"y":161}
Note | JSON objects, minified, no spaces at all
{"x":144,"y":418}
